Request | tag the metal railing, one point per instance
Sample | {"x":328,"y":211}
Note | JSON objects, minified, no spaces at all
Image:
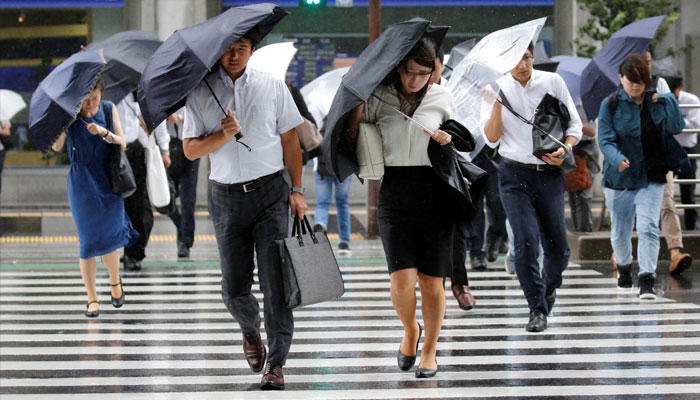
{"x":691,"y":156}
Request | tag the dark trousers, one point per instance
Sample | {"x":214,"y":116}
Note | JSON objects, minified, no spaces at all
{"x":2,"y":164}
{"x":183,"y":173}
{"x":460,"y":238}
{"x":534,"y":203}
{"x":688,"y":192}
{"x":496,"y":215}
{"x":246,"y":224}
{"x":138,"y":206}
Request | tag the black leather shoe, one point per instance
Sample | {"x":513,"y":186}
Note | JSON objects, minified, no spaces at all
{"x":407,"y":362}
{"x":116,"y":303}
{"x":183,"y":251}
{"x":551,"y":297}
{"x":425,"y":373}
{"x":130,"y":264}
{"x":92,"y":314}
{"x":478,"y":263}
{"x":492,"y":250}
{"x":538,"y":321}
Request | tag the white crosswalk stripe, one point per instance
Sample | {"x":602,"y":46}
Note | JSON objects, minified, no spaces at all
{"x":174,"y":339}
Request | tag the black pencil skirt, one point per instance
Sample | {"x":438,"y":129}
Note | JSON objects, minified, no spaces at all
{"x":414,"y":221}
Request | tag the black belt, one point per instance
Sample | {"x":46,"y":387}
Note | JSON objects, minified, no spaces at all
{"x":534,"y":167}
{"x":246,"y":187}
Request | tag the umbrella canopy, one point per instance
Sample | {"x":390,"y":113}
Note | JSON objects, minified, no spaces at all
{"x":570,"y":68}
{"x":542,"y":60}
{"x":180,"y":64}
{"x":494,"y":55}
{"x":10,"y":104}
{"x":126,"y":54}
{"x":666,"y":68}
{"x":274,"y":59}
{"x":369,"y":70}
{"x":57,"y":100}
{"x":456,"y":55}
{"x":600,"y":77}
{"x":319,"y":93}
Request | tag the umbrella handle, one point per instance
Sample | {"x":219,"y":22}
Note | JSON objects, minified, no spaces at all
{"x":239,"y":135}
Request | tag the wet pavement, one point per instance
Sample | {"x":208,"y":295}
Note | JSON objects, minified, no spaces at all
{"x":174,"y":338}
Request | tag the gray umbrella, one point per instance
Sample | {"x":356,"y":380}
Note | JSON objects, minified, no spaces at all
{"x":666,"y":68}
{"x":368,"y":71}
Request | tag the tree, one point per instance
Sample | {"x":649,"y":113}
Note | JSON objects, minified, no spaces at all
{"x":608,"y":16}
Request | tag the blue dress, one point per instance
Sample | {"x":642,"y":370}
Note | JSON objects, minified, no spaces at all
{"x":98,"y":212}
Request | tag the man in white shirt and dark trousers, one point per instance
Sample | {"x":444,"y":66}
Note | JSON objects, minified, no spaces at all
{"x":183,"y":173}
{"x":250,"y":201}
{"x":138,"y":205}
{"x":532,"y":190}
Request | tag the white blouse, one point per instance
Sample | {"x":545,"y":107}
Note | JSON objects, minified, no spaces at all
{"x":405,"y":143}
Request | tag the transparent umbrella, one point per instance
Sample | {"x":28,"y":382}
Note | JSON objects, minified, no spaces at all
{"x":493,"y":56}
{"x":319,"y":93}
{"x":273,"y":58}
{"x":10,"y":104}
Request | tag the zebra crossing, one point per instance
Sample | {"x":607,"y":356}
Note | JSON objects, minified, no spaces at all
{"x":174,"y":339}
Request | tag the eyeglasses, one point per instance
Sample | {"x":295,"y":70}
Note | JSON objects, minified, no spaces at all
{"x":414,"y":74}
{"x":527,"y":58}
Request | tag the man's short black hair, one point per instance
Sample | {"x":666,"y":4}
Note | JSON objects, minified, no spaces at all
{"x":253,"y":36}
{"x":650,"y":50}
{"x":441,"y":55}
{"x":531,"y":47}
{"x":674,"y":82}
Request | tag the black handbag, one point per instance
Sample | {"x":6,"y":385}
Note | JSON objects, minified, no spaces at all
{"x":120,"y":172}
{"x":548,"y":128}
{"x":309,"y":269}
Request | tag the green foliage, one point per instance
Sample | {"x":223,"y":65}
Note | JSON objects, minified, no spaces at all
{"x":608,"y":16}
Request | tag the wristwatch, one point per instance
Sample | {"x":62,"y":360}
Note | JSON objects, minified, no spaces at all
{"x":297,"y":189}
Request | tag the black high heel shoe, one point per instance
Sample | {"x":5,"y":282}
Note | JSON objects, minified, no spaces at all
{"x":120,"y":301}
{"x":92,"y":314}
{"x":407,"y":362}
{"x":426,"y":373}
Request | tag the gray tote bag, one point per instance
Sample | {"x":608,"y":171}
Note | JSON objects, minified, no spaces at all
{"x":309,"y":268}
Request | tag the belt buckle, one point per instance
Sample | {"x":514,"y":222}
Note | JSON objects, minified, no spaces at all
{"x":245,"y":187}
{"x":540,"y":167}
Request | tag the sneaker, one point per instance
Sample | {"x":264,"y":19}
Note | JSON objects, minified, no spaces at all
{"x":646,"y":287}
{"x":624,"y":276}
{"x":344,"y":249}
{"x":319,"y":227}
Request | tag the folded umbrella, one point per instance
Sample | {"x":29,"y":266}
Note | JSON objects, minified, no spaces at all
{"x":494,"y":55}
{"x":600,"y":77}
{"x":188,"y":55}
{"x":56,"y":101}
{"x":274,"y":58}
{"x":10,"y":104}
{"x":570,"y":68}
{"x":369,"y":70}
{"x":126,"y":54}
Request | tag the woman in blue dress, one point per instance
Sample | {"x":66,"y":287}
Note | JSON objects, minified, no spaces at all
{"x":98,"y":212}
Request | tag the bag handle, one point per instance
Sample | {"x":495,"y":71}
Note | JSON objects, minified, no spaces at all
{"x":301,"y":228}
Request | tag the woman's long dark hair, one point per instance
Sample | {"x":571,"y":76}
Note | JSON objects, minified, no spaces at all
{"x":423,"y":53}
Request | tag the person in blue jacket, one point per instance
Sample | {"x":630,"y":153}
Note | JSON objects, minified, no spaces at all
{"x":636,"y":128}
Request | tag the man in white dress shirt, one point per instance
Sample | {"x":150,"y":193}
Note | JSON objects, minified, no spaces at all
{"x":138,"y":205}
{"x":532,"y":189}
{"x":250,"y":201}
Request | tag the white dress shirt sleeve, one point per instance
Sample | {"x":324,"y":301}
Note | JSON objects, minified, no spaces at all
{"x":162,"y":137}
{"x":288,"y":116}
{"x":662,"y":86}
{"x":194,"y":123}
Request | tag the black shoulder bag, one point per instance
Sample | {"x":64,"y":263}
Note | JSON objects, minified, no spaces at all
{"x":121,"y":174}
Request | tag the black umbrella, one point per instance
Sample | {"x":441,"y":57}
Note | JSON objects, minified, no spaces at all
{"x":665,"y":68}
{"x":368,"y":71}
{"x":180,"y":64}
{"x":542,"y":60}
{"x":56,"y":101}
{"x":126,"y":54}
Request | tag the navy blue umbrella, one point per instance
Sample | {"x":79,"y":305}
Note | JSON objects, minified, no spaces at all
{"x":57,"y":100}
{"x":570,"y":68}
{"x":127,"y":54}
{"x":180,"y":64}
{"x":599,"y":78}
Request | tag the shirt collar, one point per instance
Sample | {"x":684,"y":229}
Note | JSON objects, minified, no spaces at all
{"x":228,"y":82}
